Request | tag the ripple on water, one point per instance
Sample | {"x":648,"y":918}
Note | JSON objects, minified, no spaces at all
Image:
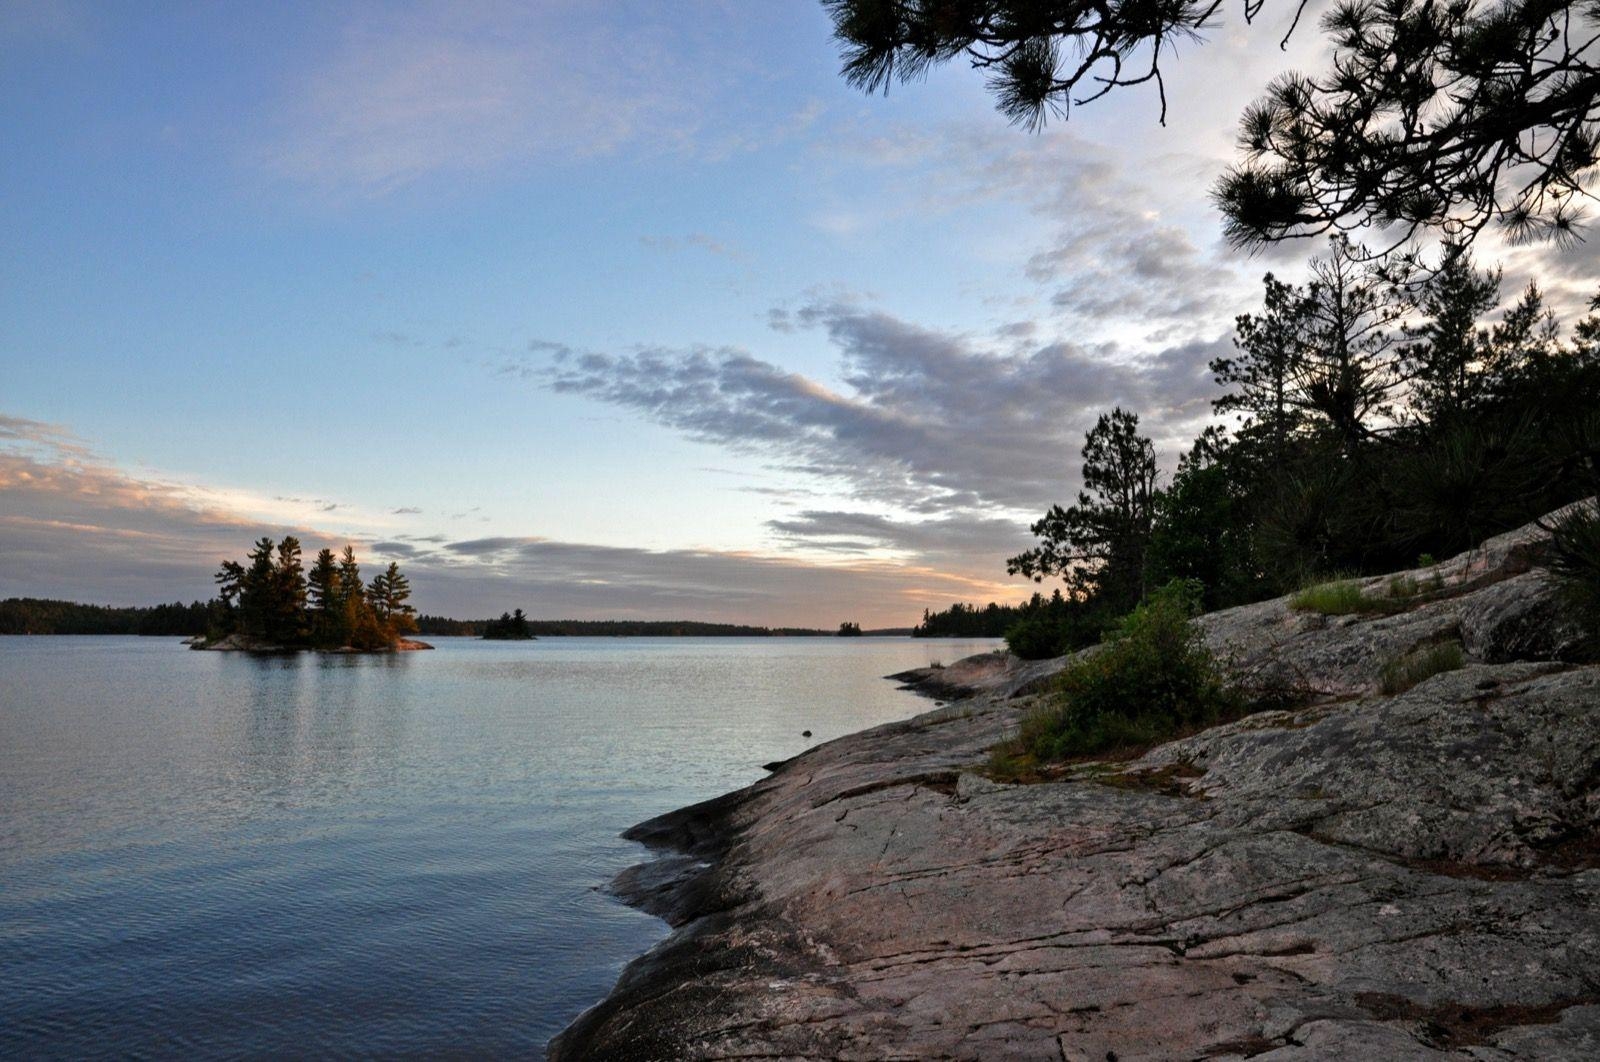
{"x":211,"y":855}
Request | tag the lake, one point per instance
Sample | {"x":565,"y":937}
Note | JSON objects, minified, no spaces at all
{"x":220,"y":855}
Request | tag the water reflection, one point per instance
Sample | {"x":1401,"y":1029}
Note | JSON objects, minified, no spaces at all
{"x":209,"y":853}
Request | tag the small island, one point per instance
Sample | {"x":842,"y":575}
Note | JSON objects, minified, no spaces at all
{"x":272,"y":604}
{"x":510,"y":627}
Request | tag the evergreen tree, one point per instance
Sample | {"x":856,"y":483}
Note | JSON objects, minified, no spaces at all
{"x":230,"y":584}
{"x":1271,"y":352}
{"x":323,"y":586}
{"x":1098,"y":545}
{"x":508,"y":627}
{"x":1202,"y":529}
{"x":1435,"y":115}
{"x":258,"y":590}
{"x":1524,"y":346}
{"x":388,"y":594}
{"x":353,"y":609}
{"x":1448,"y":360}
{"x":286,"y":623}
{"x":1349,"y":373}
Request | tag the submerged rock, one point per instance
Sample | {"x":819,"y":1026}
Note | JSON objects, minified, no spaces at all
{"x":1363,"y":876}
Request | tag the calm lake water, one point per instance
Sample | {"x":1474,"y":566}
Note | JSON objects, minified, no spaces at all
{"x":211,"y":854}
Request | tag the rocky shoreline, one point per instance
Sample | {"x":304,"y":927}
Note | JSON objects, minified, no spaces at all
{"x":1363,"y":875}
{"x":238,"y":643}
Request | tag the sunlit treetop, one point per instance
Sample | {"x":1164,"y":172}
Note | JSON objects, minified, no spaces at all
{"x":1447,"y":116}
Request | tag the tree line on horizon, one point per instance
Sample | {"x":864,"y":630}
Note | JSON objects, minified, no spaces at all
{"x":34,"y":615}
{"x":447,"y":627}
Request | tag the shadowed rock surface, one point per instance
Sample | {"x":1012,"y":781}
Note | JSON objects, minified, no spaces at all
{"x":1364,"y":877}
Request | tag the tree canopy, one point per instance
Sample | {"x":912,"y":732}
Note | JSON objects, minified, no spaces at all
{"x":1441,"y":115}
{"x":1098,"y":544}
{"x":1376,"y":419}
{"x":510,"y":627}
{"x":273,"y":600}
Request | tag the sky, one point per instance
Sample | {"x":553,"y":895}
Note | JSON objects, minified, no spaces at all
{"x":628,"y":310}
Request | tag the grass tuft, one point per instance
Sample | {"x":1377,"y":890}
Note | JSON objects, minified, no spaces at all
{"x":1344,"y":597}
{"x":1341,"y":598}
{"x":1416,"y":667}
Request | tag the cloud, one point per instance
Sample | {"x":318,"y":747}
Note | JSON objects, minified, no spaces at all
{"x":1113,"y":248}
{"x":37,"y":436}
{"x":928,"y":421}
{"x":75,"y":527}
{"x":694,"y":240}
{"x":465,"y":89}
{"x":551,"y":579}
{"x":967,"y":542}
{"x":79,"y":528}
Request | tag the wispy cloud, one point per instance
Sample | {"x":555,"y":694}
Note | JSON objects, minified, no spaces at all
{"x":694,"y":241}
{"x":450,"y":88}
{"x":927,"y":421}
{"x":572,"y":579}
{"x":78,"y":527}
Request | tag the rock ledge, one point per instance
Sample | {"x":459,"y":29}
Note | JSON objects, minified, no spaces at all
{"x":1403,"y":877}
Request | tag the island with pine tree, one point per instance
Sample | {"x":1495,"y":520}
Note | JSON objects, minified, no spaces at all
{"x":510,"y":627}
{"x":272,"y":603}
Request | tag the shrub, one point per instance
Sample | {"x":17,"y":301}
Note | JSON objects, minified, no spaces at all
{"x":1575,"y":562}
{"x":1037,"y":638}
{"x":1152,"y":679}
{"x":1415,"y":667}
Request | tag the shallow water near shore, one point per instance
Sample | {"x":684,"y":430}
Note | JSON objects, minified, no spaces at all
{"x":213,"y":854}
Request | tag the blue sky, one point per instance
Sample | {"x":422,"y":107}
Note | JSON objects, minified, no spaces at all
{"x":592,"y":309}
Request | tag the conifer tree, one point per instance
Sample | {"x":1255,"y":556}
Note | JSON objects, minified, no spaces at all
{"x":1271,"y":352}
{"x":258,"y":593}
{"x":1099,"y":544}
{"x":1448,"y":359}
{"x":1350,"y":373}
{"x":323,"y":589}
{"x":286,"y":624}
{"x":387,"y":596}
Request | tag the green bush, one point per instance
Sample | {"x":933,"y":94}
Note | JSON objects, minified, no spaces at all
{"x":1037,"y":638}
{"x":1407,"y":671}
{"x":1153,"y":678}
{"x":1575,"y":562}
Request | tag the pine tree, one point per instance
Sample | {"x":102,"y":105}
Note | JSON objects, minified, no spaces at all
{"x":1448,"y":362}
{"x":1271,"y":348}
{"x":286,"y":623}
{"x":1523,"y":346}
{"x":1350,"y":372}
{"x":324,"y":588}
{"x":1099,"y":544}
{"x":258,"y":590}
{"x":230,"y":584}
{"x":387,"y":596}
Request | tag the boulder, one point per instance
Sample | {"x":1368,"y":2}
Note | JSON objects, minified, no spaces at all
{"x":1522,"y":618}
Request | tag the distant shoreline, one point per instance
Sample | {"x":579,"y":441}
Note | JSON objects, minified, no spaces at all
{"x":25,"y":615}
